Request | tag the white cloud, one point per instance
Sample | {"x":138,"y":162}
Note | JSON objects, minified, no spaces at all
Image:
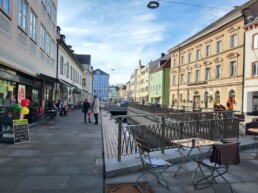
{"x":119,"y":33}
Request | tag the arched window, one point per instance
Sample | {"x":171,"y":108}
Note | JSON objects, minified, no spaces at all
{"x":232,"y":93}
{"x":196,"y":93}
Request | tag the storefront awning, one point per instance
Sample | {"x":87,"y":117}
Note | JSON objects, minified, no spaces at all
{"x":47,"y":78}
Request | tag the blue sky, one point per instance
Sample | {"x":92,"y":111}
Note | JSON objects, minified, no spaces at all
{"x":118,"y":33}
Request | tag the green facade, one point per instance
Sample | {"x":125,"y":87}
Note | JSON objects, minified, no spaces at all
{"x":159,"y":86}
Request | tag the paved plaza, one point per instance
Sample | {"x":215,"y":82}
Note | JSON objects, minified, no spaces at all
{"x":67,"y":157}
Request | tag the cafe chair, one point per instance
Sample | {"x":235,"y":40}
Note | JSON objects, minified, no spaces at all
{"x":154,"y":166}
{"x":223,"y":155}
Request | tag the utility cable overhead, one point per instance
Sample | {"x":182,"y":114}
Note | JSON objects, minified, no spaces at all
{"x":189,"y":4}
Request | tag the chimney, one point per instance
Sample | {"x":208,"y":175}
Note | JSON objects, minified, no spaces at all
{"x":162,"y":55}
{"x":63,"y":37}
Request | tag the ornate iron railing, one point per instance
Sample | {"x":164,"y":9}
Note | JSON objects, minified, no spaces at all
{"x":207,"y":125}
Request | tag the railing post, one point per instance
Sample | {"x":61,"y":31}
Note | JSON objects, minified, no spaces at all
{"x":119,"y":141}
{"x":163,"y":120}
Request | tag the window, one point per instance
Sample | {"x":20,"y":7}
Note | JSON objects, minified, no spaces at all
{"x":48,"y":44}
{"x":5,"y":5}
{"x":174,"y":80}
{"x":189,"y":74}
{"x":232,"y":69}
{"x":49,"y":7}
{"x":33,"y":26}
{"x":217,"y":96}
{"x":174,"y":63}
{"x":189,"y":57}
{"x":182,"y":60}
{"x":44,"y":2}
{"x":61,"y":65}
{"x":219,"y":46}
{"x":208,"y":50}
{"x":218,"y":71}
{"x":232,"y":93}
{"x":52,"y":49}
{"x":67,"y":70}
{"x":54,"y":14}
{"x":198,"y":54}
{"x":42,"y":37}
{"x":197,"y":75}
{"x":233,"y":41}
{"x":182,"y":79}
{"x":255,"y":69}
{"x":207,"y":73}
{"x":23,"y":15}
{"x":71,"y":72}
{"x":188,"y":95}
{"x":255,"y":43}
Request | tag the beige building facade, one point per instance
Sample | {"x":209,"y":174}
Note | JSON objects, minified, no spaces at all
{"x":208,"y":67}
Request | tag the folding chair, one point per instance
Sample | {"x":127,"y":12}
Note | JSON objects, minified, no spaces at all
{"x":223,"y":155}
{"x":155,"y":166}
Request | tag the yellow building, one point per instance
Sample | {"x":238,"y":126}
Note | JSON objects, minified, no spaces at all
{"x":208,"y":67}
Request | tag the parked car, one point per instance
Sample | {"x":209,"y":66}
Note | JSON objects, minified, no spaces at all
{"x":124,"y":103}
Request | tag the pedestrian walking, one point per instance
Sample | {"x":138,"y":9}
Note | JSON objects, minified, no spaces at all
{"x":95,"y":108}
{"x":85,"y":108}
{"x":230,"y":107}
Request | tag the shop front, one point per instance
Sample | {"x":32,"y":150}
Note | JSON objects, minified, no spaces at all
{"x":14,"y":87}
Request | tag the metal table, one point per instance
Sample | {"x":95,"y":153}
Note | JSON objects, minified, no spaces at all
{"x":189,"y":145}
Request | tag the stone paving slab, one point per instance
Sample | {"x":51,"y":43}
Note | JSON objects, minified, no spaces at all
{"x":62,"y":158}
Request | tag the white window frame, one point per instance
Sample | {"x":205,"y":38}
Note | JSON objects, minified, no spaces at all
{"x":218,"y":71}
{"x":174,"y":63}
{"x":181,"y":78}
{"x":232,"y":68}
{"x":33,"y":25}
{"x":208,"y":50}
{"x":61,"y":65}
{"x":198,"y":54}
{"x":233,"y":41}
{"x":189,"y":76}
{"x":5,"y":5}
{"x":23,"y":15}
{"x":207,"y":73}
{"x":174,"y":80}
{"x":43,"y":37}
{"x":182,"y":60}
{"x":197,"y":75}
{"x":255,"y":41}
{"x":48,"y":44}
{"x":255,"y":69}
{"x":189,"y":57}
{"x":219,"y":46}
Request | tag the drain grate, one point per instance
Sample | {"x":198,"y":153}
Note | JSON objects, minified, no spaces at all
{"x":126,"y":188}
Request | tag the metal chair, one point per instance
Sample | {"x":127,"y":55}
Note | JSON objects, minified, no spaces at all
{"x":154,"y":166}
{"x":223,"y":155}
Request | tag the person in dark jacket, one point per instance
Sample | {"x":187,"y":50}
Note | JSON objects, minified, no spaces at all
{"x":85,"y":108}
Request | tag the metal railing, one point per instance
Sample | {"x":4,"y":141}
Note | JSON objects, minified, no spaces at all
{"x":172,"y":126}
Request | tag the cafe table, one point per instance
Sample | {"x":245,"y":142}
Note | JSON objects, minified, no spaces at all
{"x":185,"y":148}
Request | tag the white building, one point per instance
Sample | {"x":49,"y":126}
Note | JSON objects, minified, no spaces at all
{"x":69,"y":73}
{"x":250,"y":103}
{"x":27,"y":50}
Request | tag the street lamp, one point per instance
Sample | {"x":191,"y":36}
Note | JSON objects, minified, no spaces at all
{"x":153,"y":4}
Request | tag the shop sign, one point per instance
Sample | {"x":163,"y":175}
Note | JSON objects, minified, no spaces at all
{"x":8,"y":76}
